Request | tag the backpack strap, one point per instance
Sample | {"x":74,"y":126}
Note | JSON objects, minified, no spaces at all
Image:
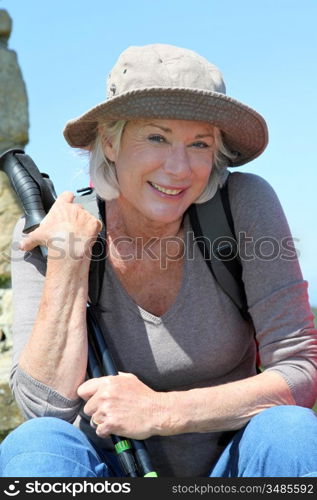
{"x":96,"y":206}
{"x":213,"y":227}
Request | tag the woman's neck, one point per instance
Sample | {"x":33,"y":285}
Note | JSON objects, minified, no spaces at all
{"x":125,"y":220}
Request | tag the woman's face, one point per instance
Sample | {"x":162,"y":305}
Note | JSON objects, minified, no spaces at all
{"x":163,"y":166}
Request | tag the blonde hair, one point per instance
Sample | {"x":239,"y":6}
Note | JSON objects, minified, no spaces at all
{"x":103,"y":171}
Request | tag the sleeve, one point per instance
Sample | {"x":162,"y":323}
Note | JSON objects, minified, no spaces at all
{"x":34,"y":398}
{"x":277,"y":295}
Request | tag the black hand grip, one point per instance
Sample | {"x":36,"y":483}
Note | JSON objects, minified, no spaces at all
{"x":28,"y":184}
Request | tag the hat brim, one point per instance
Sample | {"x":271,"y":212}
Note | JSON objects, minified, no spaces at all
{"x":244,"y":130}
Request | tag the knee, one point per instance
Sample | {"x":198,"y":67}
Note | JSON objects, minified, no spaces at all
{"x":291,"y":416}
{"x":35,"y":433}
{"x":281,"y":422}
{"x":48,"y":446}
{"x":278,"y":442}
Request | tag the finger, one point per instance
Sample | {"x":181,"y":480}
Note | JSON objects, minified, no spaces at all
{"x":31,"y":241}
{"x":93,"y":423}
{"x":91,"y":406}
{"x":88,"y":388}
{"x":99,"y":226}
{"x":66,"y":197}
{"x":102,"y":430}
{"x":128,"y":375}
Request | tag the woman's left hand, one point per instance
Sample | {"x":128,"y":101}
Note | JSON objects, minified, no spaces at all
{"x":122,"y":405}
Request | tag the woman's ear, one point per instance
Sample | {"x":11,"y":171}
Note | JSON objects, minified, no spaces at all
{"x":109,"y":150}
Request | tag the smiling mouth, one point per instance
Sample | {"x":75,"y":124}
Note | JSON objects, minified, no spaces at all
{"x":172,"y":192}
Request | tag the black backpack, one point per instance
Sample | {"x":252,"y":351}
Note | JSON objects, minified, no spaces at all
{"x":213,"y":228}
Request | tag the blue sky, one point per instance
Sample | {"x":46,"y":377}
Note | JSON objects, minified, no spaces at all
{"x":266,"y":50}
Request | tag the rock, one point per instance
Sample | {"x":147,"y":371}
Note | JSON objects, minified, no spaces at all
{"x":14,"y":124}
{"x":10,"y":211}
{"x":5,"y":26}
{"x":10,"y":415}
{"x":5,"y":306}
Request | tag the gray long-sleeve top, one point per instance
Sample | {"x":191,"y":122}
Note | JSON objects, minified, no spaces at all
{"x":202,"y":339}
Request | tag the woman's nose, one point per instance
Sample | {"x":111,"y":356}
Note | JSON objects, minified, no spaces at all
{"x":177,"y":162}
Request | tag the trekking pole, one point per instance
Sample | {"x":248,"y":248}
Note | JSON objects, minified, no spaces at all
{"x":98,"y":345}
{"x":37,"y":196}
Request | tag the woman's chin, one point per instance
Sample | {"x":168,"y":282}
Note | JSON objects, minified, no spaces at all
{"x":164,"y":216}
{"x":160,"y":212}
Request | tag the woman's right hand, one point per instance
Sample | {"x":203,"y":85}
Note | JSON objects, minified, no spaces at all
{"x":68,"y":231}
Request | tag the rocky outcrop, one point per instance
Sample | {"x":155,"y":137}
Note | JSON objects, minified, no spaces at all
{"x":14,"y":126}
{"x":10,"y":211}
{"x":5,"y":307}
{"x":14,"y":121}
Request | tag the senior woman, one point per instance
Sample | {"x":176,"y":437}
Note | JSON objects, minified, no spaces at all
{"x":188,"y":384}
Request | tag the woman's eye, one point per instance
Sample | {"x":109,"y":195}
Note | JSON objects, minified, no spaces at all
{"x":200,"y":144}
{"x":157,"y":138}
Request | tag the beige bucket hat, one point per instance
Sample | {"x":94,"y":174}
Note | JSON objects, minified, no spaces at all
{"x":164,"y":81}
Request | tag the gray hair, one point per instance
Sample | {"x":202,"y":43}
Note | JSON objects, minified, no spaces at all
{"x":103,"y":171}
